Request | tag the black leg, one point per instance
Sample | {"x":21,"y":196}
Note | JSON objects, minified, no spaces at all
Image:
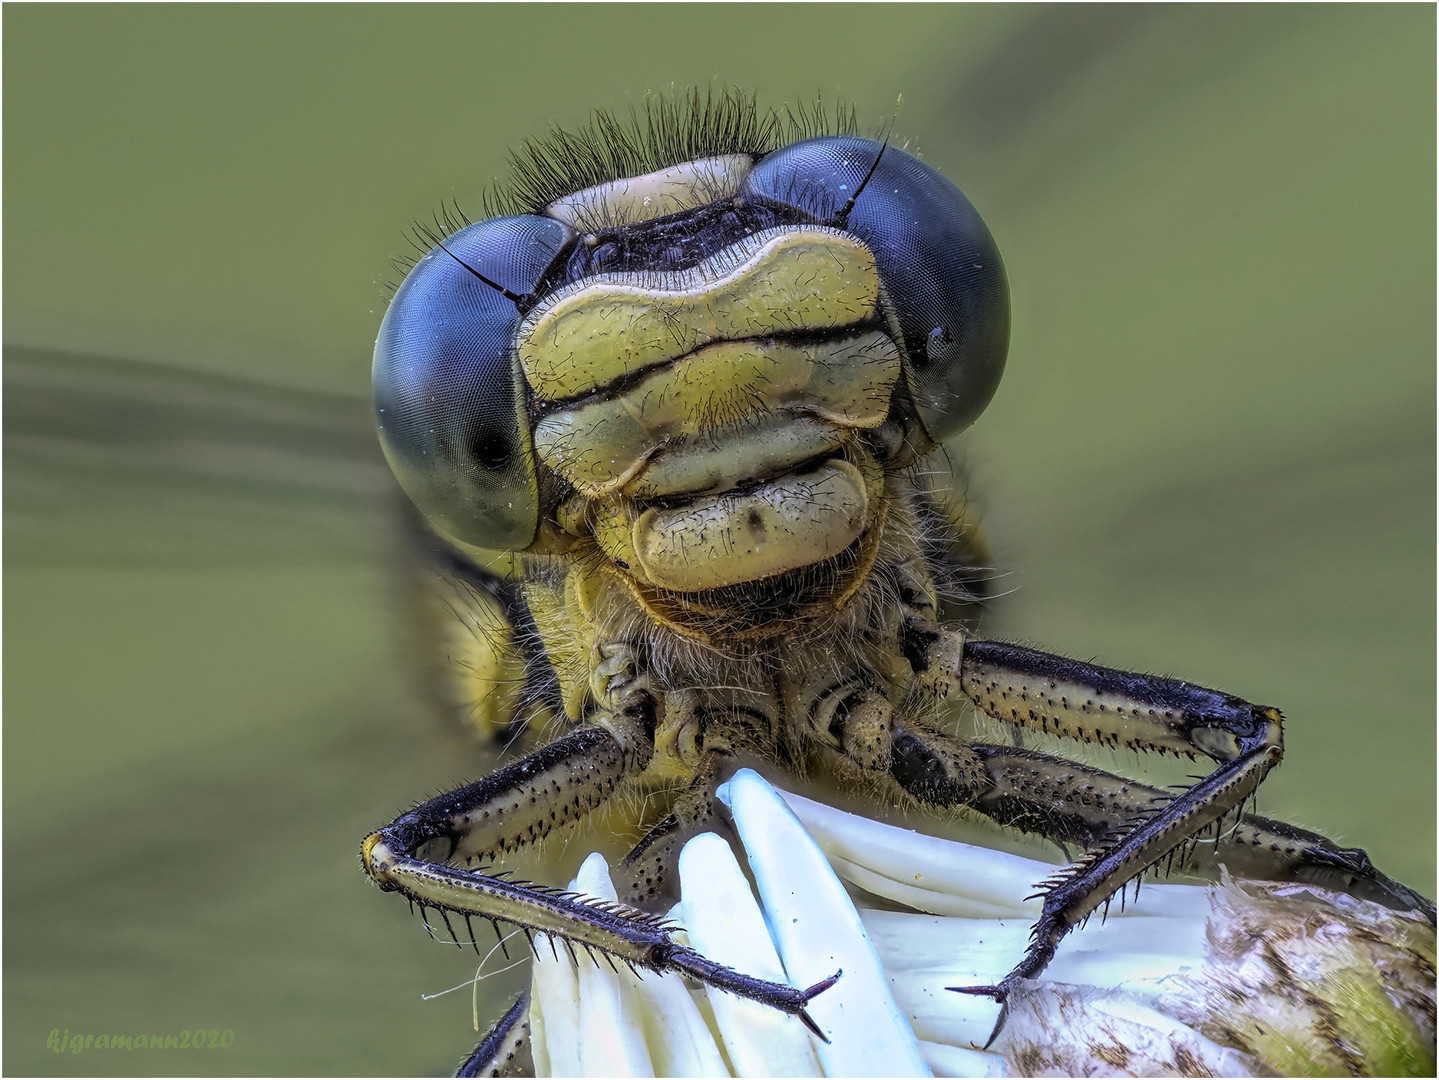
{"x":1048,"y":693}
{"x":557,"y":784}
{"x":505,"y":1049}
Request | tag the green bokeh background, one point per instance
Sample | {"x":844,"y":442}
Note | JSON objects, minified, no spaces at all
{"x":1213,"y":453}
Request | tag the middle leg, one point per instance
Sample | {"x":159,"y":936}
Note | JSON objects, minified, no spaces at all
{"x":1077,"y":805}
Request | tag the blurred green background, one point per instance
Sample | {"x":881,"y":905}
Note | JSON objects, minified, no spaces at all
{"x":1213,"y":453}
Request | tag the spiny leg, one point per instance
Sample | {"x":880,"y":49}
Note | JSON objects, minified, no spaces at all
{"x":1253,"y":846}
{"x":1068,"y":802}
{"x":505,"y":1049}
{"x":1064,"y":799}
{"x":1144,"y":712}
{"x":648,"y":874}
{"x":1074,"y":804}
{"x":706,"y":738}
{"x":520,"y":804}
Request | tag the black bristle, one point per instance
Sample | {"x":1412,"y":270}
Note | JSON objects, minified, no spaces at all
{"x":469,"y":929}
{"x":500,"y":938}
{"x":665,"y":130}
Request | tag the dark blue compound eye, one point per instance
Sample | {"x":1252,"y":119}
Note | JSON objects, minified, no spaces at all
{"x":939,"y":265}
{"x":448,"y":395}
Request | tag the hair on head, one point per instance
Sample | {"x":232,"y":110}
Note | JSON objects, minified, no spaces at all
{"x":666,"y":130}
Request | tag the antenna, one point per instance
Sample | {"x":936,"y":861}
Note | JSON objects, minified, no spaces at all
{"x":842,"y":217}
{"x":433,"y":238}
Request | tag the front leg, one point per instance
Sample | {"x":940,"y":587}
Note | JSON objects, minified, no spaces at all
{"x":1095,"y":704}
{"x":520,"y":804}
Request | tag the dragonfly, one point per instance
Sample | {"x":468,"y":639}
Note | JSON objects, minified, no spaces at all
{"x":293,"y":472}
{"x":666,"y":417}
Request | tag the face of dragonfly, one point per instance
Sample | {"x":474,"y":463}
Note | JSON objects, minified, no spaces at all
{"x":701,"y":374}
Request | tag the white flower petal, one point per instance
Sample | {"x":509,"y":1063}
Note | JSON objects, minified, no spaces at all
{"x":612,"y":1039}
{"x":818,"y":931}
{"x":539,"y":1045}
{"x":1145,"y":992}
{"x":960,"y":1061}
{"x":727,"y":926}
{"x":933,"y":901}
{"x":555,"y":994}
{"x":680,"y":1042}
{"x":1112,"y":954}
{"x":992,"y":880}
{"x":949,"y":877}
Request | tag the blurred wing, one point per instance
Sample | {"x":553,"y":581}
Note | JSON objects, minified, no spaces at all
{"x":110,"y":460}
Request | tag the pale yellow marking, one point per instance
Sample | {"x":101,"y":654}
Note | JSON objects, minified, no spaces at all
{"x":567,"y":641}
{"x":722,"y":414}
{"x":478,"y":666}
{"x":724,"y":625}
{"x":768,"y":446}
{"x":773,"y":282}
{"x":789,"y":522}
{"x":641,"y":198}
{"x":1073,"y":710}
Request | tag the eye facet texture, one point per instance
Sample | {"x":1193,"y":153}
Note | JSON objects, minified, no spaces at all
{"x":447,"y":392}
{"x":939,"y":265}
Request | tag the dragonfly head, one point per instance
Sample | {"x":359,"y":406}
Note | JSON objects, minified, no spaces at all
{"x":706,"y":371}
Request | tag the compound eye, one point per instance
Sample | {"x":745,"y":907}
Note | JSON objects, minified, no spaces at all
{"x":448,"y":394}
{"x":940,"y":268}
